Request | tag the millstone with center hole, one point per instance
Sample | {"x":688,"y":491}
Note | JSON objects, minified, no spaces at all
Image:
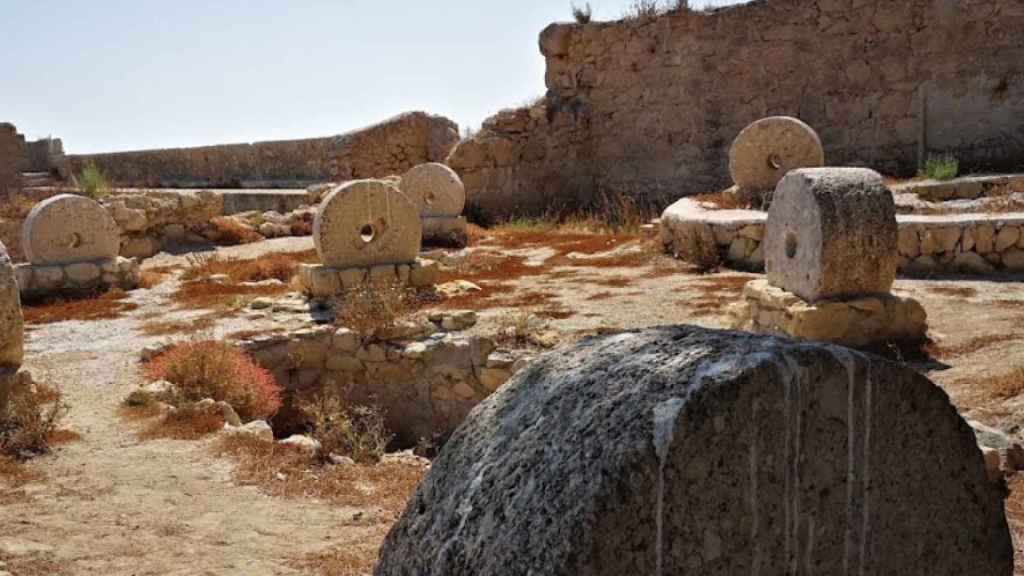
{"x":436,"y":188}
{"x":831,"y":233}
{"x":367,"y":223}
{"x":12,"y":338}
{"x":67,"y":229}
{"x":765,"y":150}
{"x":681,"y":450}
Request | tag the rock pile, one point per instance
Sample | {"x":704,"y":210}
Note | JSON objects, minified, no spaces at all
{"x":686,"y":451}
{"x":72,"y":245}
{"x":831,"y":257}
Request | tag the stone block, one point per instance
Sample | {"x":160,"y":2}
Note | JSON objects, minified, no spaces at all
{"x":832,"y":233}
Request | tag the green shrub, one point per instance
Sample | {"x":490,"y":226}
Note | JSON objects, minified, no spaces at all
{"x":92,"y":183}
{"x":942,"y":167}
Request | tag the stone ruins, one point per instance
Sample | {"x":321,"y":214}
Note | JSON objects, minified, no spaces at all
{"x":72,"y":245}
{"x":366,"y":231}
{"x":830,"y":254}
{"x":767,"y":149}
{"x":618,"y":455}
{"x":12,"y":331}
{"x":13,"y":160}
{"x":441,"y":197}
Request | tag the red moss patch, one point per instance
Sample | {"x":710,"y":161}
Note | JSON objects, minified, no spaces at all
{"x":103,"y":307}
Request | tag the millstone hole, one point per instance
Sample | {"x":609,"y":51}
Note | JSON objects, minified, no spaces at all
{"x":368,"y":233}
{"x":791,"y":245}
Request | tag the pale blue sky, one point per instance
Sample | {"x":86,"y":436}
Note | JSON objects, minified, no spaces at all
{"x":119,"y":75}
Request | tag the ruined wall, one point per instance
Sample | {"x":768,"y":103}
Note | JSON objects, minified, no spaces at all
{"x":13,"y":159}
{"x":390,"y":147}
{"x":44,"y":155}
{"x":649,"y":107}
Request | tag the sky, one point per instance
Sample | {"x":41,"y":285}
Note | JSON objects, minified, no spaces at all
{"x":108,"y":75}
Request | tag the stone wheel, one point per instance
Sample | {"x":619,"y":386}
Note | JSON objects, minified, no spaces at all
{"x":764,"y":151}
{"x":66,"y":229}
{"x":367,"y":223}
{"x":436,"y":188}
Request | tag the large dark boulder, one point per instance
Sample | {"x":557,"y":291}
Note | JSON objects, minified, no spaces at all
{"x":689,"y":451}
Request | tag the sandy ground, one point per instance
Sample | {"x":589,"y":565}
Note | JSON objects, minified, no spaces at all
{"x":113,"y":505}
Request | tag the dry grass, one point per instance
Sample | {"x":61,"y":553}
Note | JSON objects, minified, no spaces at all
{"x":188,"y":422}
{"x":169,"y":327}
{"x":358,"y":432}
{"x":14,"y":476}
{"x":954,"y":291}
{"x":386,"y":485}
{"x":16,"y":207}
{"x":273,"y":266}
{"x":218,"y":296}
{"x":971,"y":346}
{"x":149,"y":279}
{"x":725,"y":200}
{"x":372,"y":308}
{"x":31,"y":565}
{"x":103,"y":307}
{"x":31,"y":420}
{"x":354,"y":558}
{"x":231,"y":232}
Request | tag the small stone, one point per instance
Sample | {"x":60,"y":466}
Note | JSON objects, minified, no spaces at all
{"x":908,"y":242}
{"x":1013,"y":259}
{"x":339,"y":460}
{"x":345,"y":340}
{"x":423,"y":273}
{"x":1007,"y":237}
{"x":500,"y":359}
{"x":459,"y":320}
{"x":973,"y":262}
{"x":258,"y":429}
{"x":493,"y":378}
{"x":344,"y":364}
{"x":261,"y":303}
{"x":984,"y":238}
{"x":457,"y":288}
{"x":303,"y":442}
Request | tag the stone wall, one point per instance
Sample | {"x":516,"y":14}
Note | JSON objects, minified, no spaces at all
{"x":13,"y":159}
{"x":387,"y":148}
{"x":45,"y":155}
{"x":426,"y":375}
{"x":977,"y":244}
{"x":649,"y":107}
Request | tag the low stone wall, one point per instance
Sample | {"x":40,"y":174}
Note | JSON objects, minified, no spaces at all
{"x":13,"y":159}
{"x":321,"y":281}
{"x":390,"y":147}
{"x":424,"y":374}
{"x":967,"y":188}
{"x":37,"y":282}
{"x":968,"y":244}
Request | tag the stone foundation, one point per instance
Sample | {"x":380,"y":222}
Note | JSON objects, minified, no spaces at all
{"x":321,"y":281}
{"x":859,"y":322}
{"x":976,"y":244}
{"x":36,"y":282}
{"x":444,"y":230}
{"x":424,"y":374}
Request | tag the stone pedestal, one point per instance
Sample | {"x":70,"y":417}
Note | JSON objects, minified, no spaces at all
{"x":80,"y":278}
{"x":444,"y":231}
{"x":321,"y":281}
{"x":859,"y":322}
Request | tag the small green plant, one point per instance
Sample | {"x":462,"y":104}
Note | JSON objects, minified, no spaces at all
{"x":92,"y":183}
{"x":942,"y":167}
{"x":582,"y":14}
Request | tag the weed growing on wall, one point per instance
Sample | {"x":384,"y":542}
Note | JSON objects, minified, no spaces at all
{"x":942,"y":167}
{"x":92,"y":183}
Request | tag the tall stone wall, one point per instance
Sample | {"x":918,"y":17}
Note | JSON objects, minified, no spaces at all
{"x":13,"y":159}
{"x":45,"y":155}
{"x":649,"y":107}
{"x":390,"y":147}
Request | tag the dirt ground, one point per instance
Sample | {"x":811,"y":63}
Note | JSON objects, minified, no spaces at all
{"x":114,"y":505}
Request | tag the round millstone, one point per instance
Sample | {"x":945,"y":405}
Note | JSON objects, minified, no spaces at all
{"x":66,"y":229}
{"x":832,"y":233}
{"x":436,"y":188}
{"x":367,"y":223}
{"x":12,"y":332}
{"x":681,"y":450}
{"x":764,"y":151}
